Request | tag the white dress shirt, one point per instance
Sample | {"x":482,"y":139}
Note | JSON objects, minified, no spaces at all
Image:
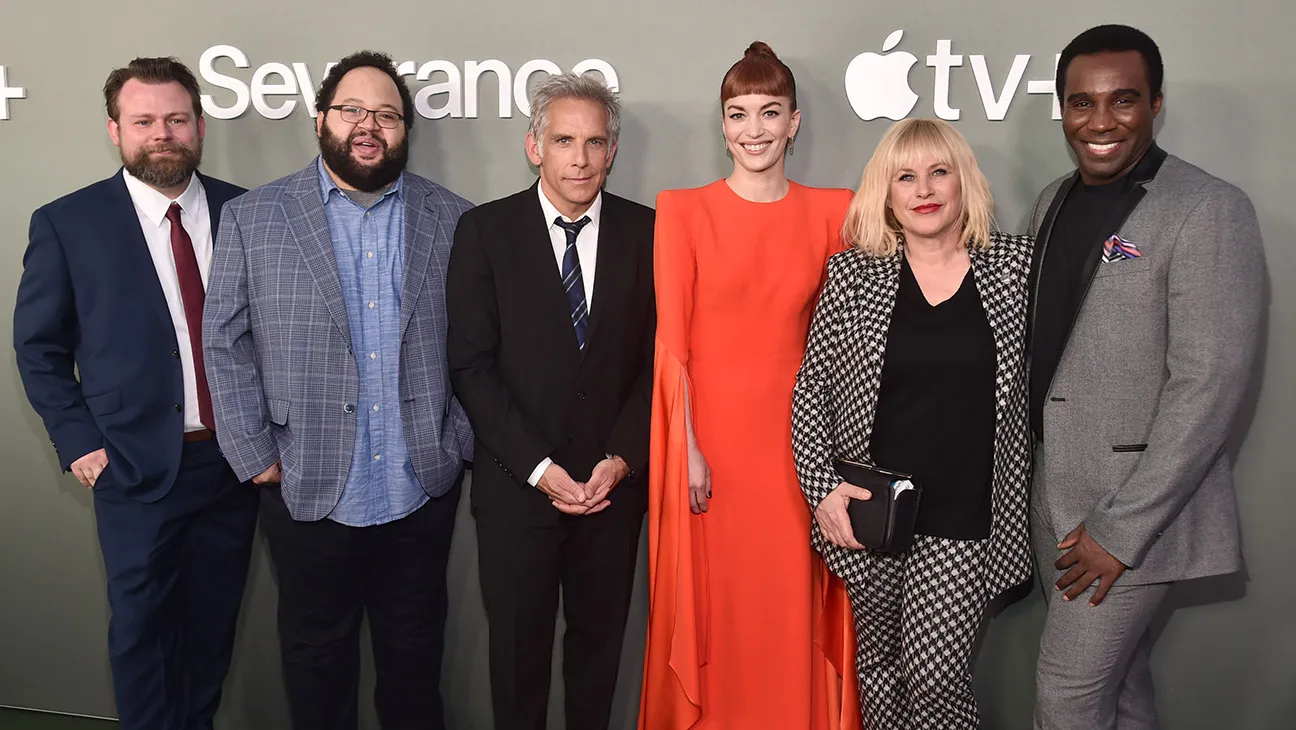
{"x":151,"y":209}
{"x":586,"y":241}
{"x":586,"y":253}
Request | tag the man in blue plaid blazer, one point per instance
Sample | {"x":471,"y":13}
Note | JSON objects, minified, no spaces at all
{"x":325,"y":335}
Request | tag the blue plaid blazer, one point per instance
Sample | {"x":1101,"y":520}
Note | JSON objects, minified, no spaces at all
{"x":283,"y":377}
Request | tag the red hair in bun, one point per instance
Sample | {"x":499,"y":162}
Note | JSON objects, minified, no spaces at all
{"x":759,"y":72}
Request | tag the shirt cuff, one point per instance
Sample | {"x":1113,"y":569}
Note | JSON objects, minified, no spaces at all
{"x":534,"y":479}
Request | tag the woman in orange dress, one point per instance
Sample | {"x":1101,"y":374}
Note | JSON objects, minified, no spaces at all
{"x":746,"y":629}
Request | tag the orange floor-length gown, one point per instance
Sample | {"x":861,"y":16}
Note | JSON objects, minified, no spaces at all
{"x":747,"y":630}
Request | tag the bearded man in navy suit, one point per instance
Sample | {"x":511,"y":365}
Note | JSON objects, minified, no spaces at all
{"x":108,"y":337}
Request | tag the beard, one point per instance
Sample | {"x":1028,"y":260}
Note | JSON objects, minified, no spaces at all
{"x":366,"y":178}
{"x":164,"y":172}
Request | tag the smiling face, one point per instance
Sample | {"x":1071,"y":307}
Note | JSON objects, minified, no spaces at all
{"x":757,"y":129}
{"x":575,"y":156}
{"x":926,"y":198}
{"x":363,"y":156}
{"x":1108,"y":113}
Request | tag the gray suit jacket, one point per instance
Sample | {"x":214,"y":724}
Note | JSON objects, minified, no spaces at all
{"x":1153,"y":373}
{"x":277,"y":345}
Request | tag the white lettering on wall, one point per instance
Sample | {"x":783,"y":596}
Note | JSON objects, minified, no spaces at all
{"x":276,"y":89}
{"x":878,"y":84}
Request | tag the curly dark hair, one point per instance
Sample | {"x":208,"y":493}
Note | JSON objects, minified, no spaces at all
{"x":363,"y":59}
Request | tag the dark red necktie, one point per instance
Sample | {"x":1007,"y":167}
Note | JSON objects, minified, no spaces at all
{"x":192,"y":294}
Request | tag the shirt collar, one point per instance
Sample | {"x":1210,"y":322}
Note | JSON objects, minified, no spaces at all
{"x":154,"y":205}
{"x":551,"y":211}
{"x":327,"y":185}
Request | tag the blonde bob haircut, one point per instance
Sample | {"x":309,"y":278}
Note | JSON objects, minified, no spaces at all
{"x":872,"y":228}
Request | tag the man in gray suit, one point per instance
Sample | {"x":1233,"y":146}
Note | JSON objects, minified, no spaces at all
{"x":325,"y":334}
{"x":1145,"y":318}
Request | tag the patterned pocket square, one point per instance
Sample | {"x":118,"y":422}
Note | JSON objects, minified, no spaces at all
{"x":1118,"y":249}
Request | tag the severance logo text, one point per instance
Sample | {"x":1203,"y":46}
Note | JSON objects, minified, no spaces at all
{"x":273,"y":85}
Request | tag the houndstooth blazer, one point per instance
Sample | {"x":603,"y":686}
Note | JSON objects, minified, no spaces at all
{"x":836,"y":393}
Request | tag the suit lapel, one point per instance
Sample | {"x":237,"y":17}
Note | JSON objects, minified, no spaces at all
{"x":421,"y":221}
{"x":1144,"y":172}
{"x":1041,"y":246}
{"x":882,"y":281}
{"x":135,"y":252}
{"x":994,"y":286}
{"x":215,"y":202}
{"x":873,"y":304}
{"x":536,"y":256}
{"x":1114,"y":219}
{"x":304,"y":211}
{"x":614,"y":272}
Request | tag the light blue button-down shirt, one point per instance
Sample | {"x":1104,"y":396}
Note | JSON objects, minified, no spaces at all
{"x":369,"y":247}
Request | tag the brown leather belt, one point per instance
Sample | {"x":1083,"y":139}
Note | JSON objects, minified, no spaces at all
{"x":203,"y":435}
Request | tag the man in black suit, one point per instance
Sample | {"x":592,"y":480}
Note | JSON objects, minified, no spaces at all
{"x":550,"y":301}
{"x":108,"y":338}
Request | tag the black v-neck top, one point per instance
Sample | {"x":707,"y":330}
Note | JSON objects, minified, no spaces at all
{"x":935,"y":415}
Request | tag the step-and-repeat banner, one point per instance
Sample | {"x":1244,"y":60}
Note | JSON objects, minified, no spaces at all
{"x":1225,"y":659}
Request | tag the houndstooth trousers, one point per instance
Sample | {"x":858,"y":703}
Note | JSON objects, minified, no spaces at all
{"x":917,"y":615}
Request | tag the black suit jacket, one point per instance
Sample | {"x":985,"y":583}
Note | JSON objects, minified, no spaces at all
{"x":529,"y":391}
{"x":94,"y":339}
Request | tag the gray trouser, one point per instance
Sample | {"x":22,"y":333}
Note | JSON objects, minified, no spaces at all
{"x":1093,"y":671}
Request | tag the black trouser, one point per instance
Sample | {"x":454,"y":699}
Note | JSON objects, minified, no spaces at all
{"x":522,"y":567}
{"x":329,"y":576}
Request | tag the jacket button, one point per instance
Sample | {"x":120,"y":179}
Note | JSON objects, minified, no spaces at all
{"x":348,"y":408}
{"x":580,"y":395}
{"x":176,"y":406}
{"x":175,"y":354}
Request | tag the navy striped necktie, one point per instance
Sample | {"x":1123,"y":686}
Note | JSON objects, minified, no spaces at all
{"x":572,"y":280}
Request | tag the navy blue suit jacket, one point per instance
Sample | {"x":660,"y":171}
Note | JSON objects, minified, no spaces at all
{"x":95,"y":343}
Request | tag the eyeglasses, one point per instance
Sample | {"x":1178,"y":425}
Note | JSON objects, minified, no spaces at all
{"x":356,"y":115}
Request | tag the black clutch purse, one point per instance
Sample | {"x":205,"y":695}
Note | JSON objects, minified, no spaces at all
{"x":886,"y":522}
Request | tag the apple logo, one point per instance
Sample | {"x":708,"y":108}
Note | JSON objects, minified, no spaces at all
{"x":877,"y":85}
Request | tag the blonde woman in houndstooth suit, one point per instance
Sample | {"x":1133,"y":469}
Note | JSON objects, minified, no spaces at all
{"x":914,"y":363}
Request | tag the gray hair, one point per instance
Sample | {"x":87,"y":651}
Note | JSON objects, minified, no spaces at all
{"x":583,"y":87}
